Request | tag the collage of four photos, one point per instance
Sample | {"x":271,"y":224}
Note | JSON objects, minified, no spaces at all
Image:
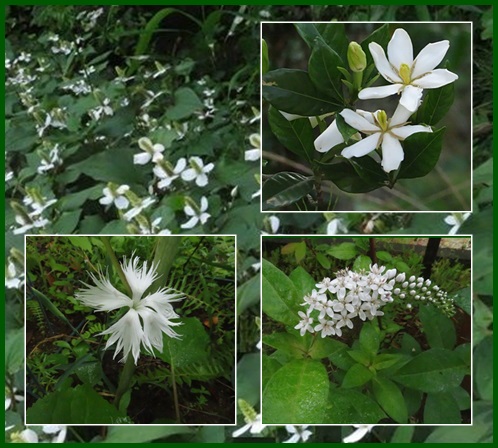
{"x":248,"y":224}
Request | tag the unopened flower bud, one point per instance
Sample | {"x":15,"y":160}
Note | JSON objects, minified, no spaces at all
{"x":357,"y":59}
{"x":391,"y":273}
{"x":400,"y":277}
{"x":412,"y":278}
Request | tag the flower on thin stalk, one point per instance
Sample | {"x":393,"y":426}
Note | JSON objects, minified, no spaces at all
{"x":197,"y":214}
{"x":381,"y":132}
{"x":407,"y":75}
{"x":167,"y":173}
{"x":253,"y":420}
{"x":254,"y":153}
{"x":197,"y":172}
{"x":115,"y":194}
{"x":298,"y":433}
{"x":456,"y":220}
{"x":150,"y":152}
{"x":147,"y":317}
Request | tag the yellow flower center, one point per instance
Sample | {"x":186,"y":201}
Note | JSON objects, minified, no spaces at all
{"x":381,"y":119}
{"x":405,"y":72}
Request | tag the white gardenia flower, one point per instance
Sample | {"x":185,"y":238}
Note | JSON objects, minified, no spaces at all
{"x":150,"y":152}
{"x":147,"y":317}
{"x":198,"y":214}
{"x":381,"y":132}
{"x":115,"y":196}
{"x":407,"y":75}
{"x":253,"y":426}
{"x":197,"y":172}
{"x":361,"y":431}
{"x":456,"y":220}
{"x":167,"y":173}
{"x":298,"y":433}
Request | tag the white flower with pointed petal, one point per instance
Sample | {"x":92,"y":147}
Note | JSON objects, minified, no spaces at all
{"x":168,"y":174}
{"x":329,"y":138}
{"x":298,"y":433}
{"x":336,"y":226}
{"x":361,"y":431}
{"x":197,"y":172}
{"x":196,"y":215}
{"x":381,"y":132}
{"x":253,"y":426}
{"x":115,"y":196}
{"x":456,"y":220}
{"x":408,"y":76}
{"x":151,"y":152}
{"x":138,"y":208}
{"x":147,"y":317}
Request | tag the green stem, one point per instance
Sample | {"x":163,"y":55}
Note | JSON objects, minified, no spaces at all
{"x":115,"y":263}
{"x":357,"y":80}
{"x":175,"y":394}
{"x":125,"y":379}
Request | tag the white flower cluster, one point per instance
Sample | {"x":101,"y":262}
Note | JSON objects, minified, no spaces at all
{"x":363,"y":294}
{"x":29,"y":219}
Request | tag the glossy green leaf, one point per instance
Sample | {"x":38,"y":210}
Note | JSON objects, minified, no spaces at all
{"x":402,"y":434}
{"x":78,"y":405}
{"x":190,"y":349}
{"x":292,"y":91}
{"x":439,"y":329}
{"x":334,"y":35}
{"x":303,"y":281}
{"x":463,"y":298}
{"x":435,"y":370}
{"x":67,"y":222}
{"x":360,"y":356}
{"x":248,"y":294}
{"x":390,"y":399}
{"x":440,"y":409}
{"x":280,"y":299}
{"x":323,"y":260}
{"x":343,"y":251}
{"x":269,"y":366}
{"x":348,"y":406}
{"x":356,"y":376}
{"x":300,"y":251}
{"x":186,"y":102}
{"x":369,"y":338}
{"x":289,"y":343}
{"x":323,"y":71}
{"x":362,"y":262}
{"x":285,"y":188}
{"x":325,"y":347}
{"x":436,"y":104}
{"x":295,"y":135}
{"x":388,"y":360}
{"x":422,"y":151}
{"x":345,"y":175}
{"x":296,"y":394}
{"x":409,"y":345}
{"x":143,"y":434}
{"x":82,"y":242}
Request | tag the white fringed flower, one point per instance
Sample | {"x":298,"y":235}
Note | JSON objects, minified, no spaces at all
{"x":147,"y":317}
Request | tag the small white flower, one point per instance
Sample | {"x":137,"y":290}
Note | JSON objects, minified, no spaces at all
{"x":147,"y":317}
{"x":12,"y":394}
{"x":298,"y":433}
{"x":361,"y":431}
{"x":456,"y":220}
{"x":253,"y":426}
{"x":305,"y":324}
{"x":197,"y":172}
{"x":12,"y":279}
{"x":151,"y":152}
{"x":168,"y":174}
{"x":272,"y":223}
{"x":408,"y":76}
{"x":336,"y":226}
{"x":115,"y":196}
{"x":253,"y":154}
{"x":381,"y":132}
{"x":197,"y":215}
{"x":138,"y":208}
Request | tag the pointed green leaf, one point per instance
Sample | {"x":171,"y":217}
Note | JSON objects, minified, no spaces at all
{"x":348,"y":406}
{"x":292,"y":91}
{"x":265,"y":63}
{"x":390,"y":399}
{"x":369,"y":338}
{"x":324,"y":73}
{"x":284,"y":189}
{"x":441,"y":409}
{"x":439,"y":329}
{"x":186,"y":102}
{"x":357,"y":376}
{"x":436,"y":104}
{"x":296,"y":135}
{"x":303,"y":281}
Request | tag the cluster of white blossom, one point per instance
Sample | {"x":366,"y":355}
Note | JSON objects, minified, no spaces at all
{"x":30,"y":215}
{"x":363,"y":294}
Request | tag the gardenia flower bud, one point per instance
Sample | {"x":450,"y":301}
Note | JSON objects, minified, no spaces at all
{"x":357,"y":58}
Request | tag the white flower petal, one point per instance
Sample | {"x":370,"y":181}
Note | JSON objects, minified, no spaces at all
{"x":436,"y":78}
{"x":429,"y":58}
{"x":405,"y":131}
{"x":358,"y":122}
{"x":189,"y":211}
{"x":121,"y":202}
{"x":329,"y":138}
{"x":290,"y":117}
{"x":204,"y":217}
{"x":142,"y":158}
{"x":192,"y":222}
{"x":392,"y":153}
{"x":382,"y":64}
{"x":122,"y":189}
{"x":189,"y":174}
{"x":242,"y":430}
{"x":252,"y":155}
{"x":201,"y":180}
{"x":106,"y":200}
{"x":139,"y":278}
{"x":401,"y":115}
{"x":360,"y":432}
{"x":204,"y":204}
{"x":410,"y":98}
{"x":400,"y":49}
{"x":103,"y":296}
{"x":379,"y":92}
{"x":451,"y":220}
{"x":362,"y":147}
{"x":29,"y":436}
{"x":180,"y":165}
{"x":208,"y":167}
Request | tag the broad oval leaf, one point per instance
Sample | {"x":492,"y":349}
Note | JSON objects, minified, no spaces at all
{"x":346,"y":177}
{"x":439,"y":329}
{"x":292,"y":91}
{"x":441,"y":409}
{"x":422,"y":151}
{"x":325,"y":347}
{"x":296,"y":394}
{"x":435,"y":370}
{"x":295,"y":135}
{"x":369,"y":338}
{"x":288,"y":343}
{"x":356,"y":376}
{"x":186,"y":102}
{"x":303,"y":281}
{"x":348,"y":406}
{"x":280,"y":300}
{"x":285,"y":188}
{"x":343,"y":251}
